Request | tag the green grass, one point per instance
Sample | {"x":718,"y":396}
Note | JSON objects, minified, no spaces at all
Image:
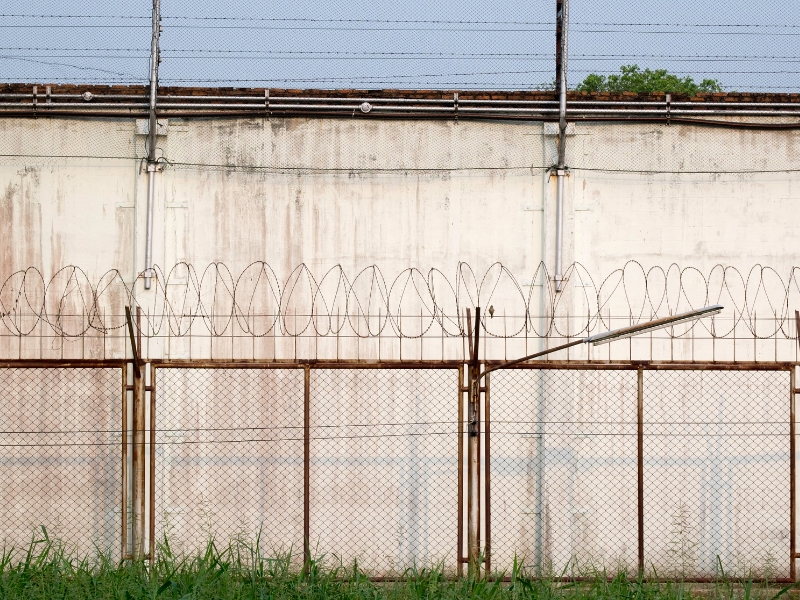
{"x":239,"y":571}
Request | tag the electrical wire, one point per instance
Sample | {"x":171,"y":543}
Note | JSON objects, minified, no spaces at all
{"x":412,"y":423}
{"x":680,"y":435}
{"x":401,"y":21}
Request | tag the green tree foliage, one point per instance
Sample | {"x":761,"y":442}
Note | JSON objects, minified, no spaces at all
{"x":633,"y":79}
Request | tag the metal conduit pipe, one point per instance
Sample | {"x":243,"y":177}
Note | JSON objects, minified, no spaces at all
{"x":151,"y":139}
{"x":563,"y":16}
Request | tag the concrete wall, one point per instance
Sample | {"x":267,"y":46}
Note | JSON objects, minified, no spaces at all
{"x":429,"y":195}
{"x":402,"y":194}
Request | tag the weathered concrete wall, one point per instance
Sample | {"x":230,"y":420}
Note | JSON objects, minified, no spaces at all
{"x":426,"y":194}
{"x":394,"y":193}
{"x":400,"y":194}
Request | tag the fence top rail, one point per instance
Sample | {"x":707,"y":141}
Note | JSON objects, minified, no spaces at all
{"x":654,"y":365}
{"x":405,"y":364}
{"x":63,"y":363}
{"x":302,"y":364}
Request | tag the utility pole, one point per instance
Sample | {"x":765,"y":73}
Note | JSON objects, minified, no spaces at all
{"x":562,"y":24}
{"x":152,"y":163}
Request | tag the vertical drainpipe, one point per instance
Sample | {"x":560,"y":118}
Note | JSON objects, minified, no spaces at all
{"x":562,"y":16}
{"x":152,"y":165}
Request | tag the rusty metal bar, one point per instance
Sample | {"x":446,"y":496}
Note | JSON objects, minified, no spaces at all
{"x":477,"y":333}
{"x":137,"y":495}
{"x":473,"y":452}
{"x":138,"y":466}
{"x":152,"y":507}
{"x":797,"y":325}
{"x":306,"y":468}
{"x":469,"y":336}
{"x":487,"y":506}
{"x":655,"y":365}
{"x":640,"y":467}
{"x":460,"y":511}
{"x":60,"y":364}
{"x":176,"y":363}
{"x":124,"y":455}
{"x":792,"y":474}
{"x":135,"y":343}
{"x":793,"y":462}
{"x":319,"y":364}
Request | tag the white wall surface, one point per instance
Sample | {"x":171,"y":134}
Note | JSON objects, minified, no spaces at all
{"x":427,"y":195}
{"x":422,"y":194}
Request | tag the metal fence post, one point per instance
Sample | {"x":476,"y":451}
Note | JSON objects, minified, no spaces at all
{"x":138,"y":492}
{"x":124,"y":469}
{"x":640,"y":465}
{"x":152,"y":478}
{"x":792,"y":471}
{"x":473,"y":452}
{"x":152,"y":163}
{"x":487,"y":479}
{"x":137,"y":459}
{"x":460,"y":453}
{"x":306,"y":468}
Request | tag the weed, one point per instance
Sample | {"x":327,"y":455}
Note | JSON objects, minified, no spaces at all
{"x":240,"y":571}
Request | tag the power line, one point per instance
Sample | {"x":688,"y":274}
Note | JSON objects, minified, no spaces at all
{"x":79,"y":67}
{"x":408,"y":21}
{"x":335,"y":53}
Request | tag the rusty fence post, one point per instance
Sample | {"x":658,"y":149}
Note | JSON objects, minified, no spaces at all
{"x":138,"y":450}
{"x":487,"y":480}
{"x":138,"y":494}
{"x":460,"y":453}
{"x":793,"y":391}
{"x":640,"y":466}
{"x":152,"y":507}
{"x":792,"y":474}
{"x":473,"y":449}
{"x":306,"y":468}
{"x":124,"y":469}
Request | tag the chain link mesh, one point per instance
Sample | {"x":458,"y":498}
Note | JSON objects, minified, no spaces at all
{"x":471,"y":45}
{"x":229,"y":450}
{"x":716,"y":473}
{"x":60,"y":438}
{"x":384,"y":471}
{"x":563,"y":470}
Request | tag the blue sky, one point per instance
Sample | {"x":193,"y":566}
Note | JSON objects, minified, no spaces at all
{"x":411,"y":44}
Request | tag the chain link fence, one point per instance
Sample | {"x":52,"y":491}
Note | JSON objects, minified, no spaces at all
{"x":425,"y":45}
{"x":745,"y":47}
{"x":563,"y":466}
{"x":683,"y":472}
{"x":384,"y":468}
{"x":87,"y":42}
{"x":715,"y":458}
{"x":708,"y":476}
{"x":229,"y":458}
{"x":60,"y":462}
